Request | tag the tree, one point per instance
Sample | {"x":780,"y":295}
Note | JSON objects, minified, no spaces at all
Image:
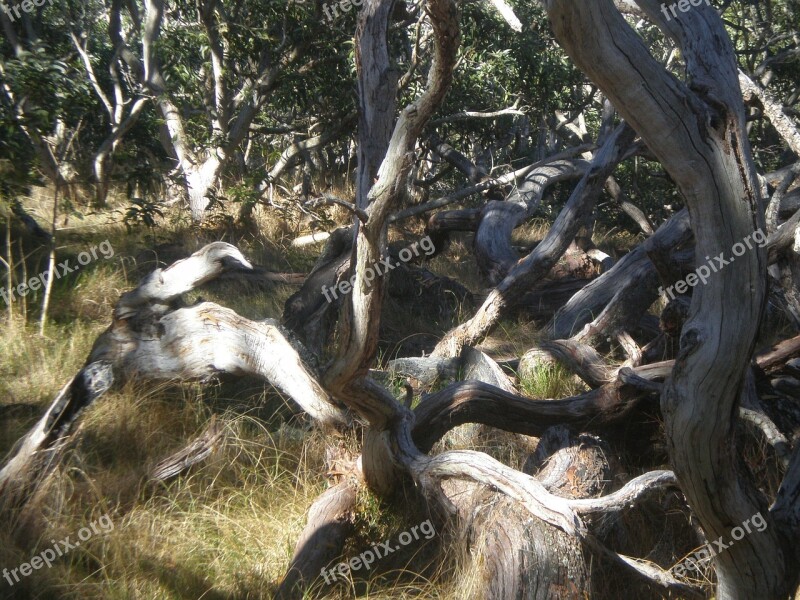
{"x":695,"y":128}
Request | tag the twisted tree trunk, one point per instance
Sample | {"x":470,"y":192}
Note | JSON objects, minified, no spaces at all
{"x":698,"y":133}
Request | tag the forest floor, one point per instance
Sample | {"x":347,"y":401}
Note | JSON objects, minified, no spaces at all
{"x":227,"y":528}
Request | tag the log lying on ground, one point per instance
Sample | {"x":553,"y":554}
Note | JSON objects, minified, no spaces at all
{"x":528,"y":271}
{"x":520,"y":556}
{"x":426,"y":370}
{"x":778,"y":355}
{"x":440,"y":225}
{"x":529,"y":494}
{"x":472,"y":365}
{"x":207,"y":340}
{"x":581,"y":359}
{"x":493,"y":249}
{"x":35,"y":454}
{"x":571,"y":466}
{"x":633,"y":268}
{"x":151,"y":337}
{"x":195,"y":452}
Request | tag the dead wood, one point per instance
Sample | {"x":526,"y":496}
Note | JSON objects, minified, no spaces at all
{"x":322,"y":541}
{"x":477,"y":402}
{"x":307,"y":312}
{"x":152,"y":337}
{"x":571,"y":466}
{"x":493,"y":249}
{"x":538,"y":263}
{"x":472,"y":172}
{"x":634,"y":212}
{"x":581,"y":359}
{"x":195,"y":452}
{"x":34,"y":456}
{"x":501,"y":181}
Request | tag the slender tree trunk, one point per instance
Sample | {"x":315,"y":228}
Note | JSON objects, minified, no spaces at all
{"x":51,"y":264}
{"x":199,"y":181}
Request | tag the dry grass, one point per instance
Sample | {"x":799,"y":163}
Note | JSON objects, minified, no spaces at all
{"x":227,"y":529}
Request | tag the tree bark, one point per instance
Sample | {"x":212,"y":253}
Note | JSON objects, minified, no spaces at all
{"x":538,"y":263}
{"x":704,"y":147}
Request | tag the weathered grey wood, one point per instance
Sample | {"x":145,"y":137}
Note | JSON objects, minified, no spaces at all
{"x":472,"y":365}
{"x":628,"y":271}
{"x":152,"y":337}
{"x":322,"y":541}
{"x":377,"y":87}
{"x":346,"y":376}
{"x":358,"y":343}
{"x":539,"y":262}
{"x":703,"y":147}
{"x":493,"y":249}
{"x":520,"y":556}
{"x":634,"y":212}
{"x":478,"y":402}
{"x":530,"y":495}
{"x":163,"y":286}
{"x":775,"y":357}
{"x":477,"y":366}
{"x":581,"y":359}
{"x":202,"y":341}
{"x":34,"y":456}
{"x":473,"y":173}
{"x":308,"y":312}
{"x":782,"y":123}
{"x":501,"y":181}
